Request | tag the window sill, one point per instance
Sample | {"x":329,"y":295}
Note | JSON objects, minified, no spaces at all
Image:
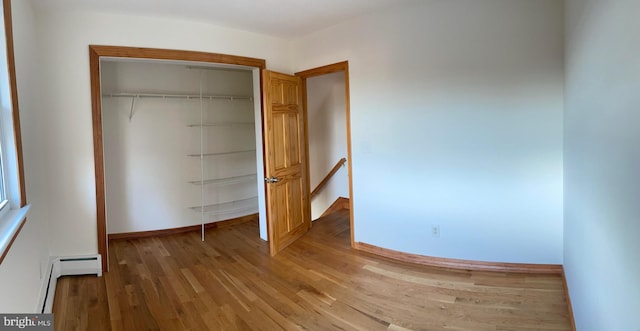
{"x":10,"y":225}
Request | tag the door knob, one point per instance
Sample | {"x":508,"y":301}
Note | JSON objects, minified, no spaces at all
{"x":272,"y":179}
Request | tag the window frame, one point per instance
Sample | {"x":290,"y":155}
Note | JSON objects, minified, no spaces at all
{"x":14,"y":207}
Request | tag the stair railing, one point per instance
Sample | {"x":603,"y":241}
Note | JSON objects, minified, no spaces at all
{"x":326,"y":178}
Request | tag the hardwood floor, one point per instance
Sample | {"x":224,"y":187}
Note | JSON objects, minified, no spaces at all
{"x":229,"y":282}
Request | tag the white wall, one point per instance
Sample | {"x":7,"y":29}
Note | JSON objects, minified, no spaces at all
{"x":326,"y":114}
{"x":147,"y":167}
{"x":602,"y":158}
{"x":63,"y":40}
{"x":456,"y":120}
{"x":22,"y":270}
{"x":456,"y":110}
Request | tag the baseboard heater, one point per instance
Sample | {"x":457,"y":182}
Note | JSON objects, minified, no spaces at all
{"x":65,"y":266}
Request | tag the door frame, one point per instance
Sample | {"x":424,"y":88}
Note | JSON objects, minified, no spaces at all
{"x":98,"y":51}
{"x":324,"y":70}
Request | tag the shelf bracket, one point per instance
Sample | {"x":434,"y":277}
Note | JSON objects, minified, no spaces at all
{"x":133,"y":103}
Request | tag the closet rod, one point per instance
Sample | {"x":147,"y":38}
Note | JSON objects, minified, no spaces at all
{"x":176,"y":96}
{"x":221,"y":153}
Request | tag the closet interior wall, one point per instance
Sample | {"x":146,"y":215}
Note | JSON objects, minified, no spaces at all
{"x":173,"y":159}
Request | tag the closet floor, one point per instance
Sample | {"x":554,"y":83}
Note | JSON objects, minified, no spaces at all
{"x":229,"y":282}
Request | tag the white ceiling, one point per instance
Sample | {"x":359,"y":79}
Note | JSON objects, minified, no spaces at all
{"x":280,"y":18}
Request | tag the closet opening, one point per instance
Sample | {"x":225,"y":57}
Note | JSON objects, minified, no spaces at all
{"x":177,"y":142}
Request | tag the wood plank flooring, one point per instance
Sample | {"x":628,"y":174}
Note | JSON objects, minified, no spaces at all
{"x":229,"y":282}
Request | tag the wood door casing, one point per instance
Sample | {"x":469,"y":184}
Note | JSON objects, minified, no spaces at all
{"x":96,"y":52}
{"x":324,"y":70}
{"x":289,"y":215}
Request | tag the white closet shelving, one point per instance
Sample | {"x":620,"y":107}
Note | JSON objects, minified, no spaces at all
{"x":222,"y":124}
{"x":244,"y":205}
{"x":226,"y":180}
{"x":176,"y":96}
{"x":187,"y":135}
{"x":248,"y":204}
{"x":222,"y":153}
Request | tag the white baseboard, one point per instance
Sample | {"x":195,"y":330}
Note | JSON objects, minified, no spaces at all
{"x":65,"y":266}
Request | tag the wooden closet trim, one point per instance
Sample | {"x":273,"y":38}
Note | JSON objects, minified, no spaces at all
{"x":95,"y":53}
{"x":184,"y":229}
{"x":172,"y":54}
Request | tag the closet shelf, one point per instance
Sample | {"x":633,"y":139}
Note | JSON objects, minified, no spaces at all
{"x":248,"y":204}
{"x":222,"y":153}
{"x":227,"y":180}
{"x":221,"y":124}
{"x":243,"y":211}
{"x":177,"y":96}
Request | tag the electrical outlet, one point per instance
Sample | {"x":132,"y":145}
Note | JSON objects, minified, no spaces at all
{"x":435,"y":231}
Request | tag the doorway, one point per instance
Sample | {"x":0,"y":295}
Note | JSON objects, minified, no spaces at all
{"x":179,"y":146}
{"x":98,"y":53}
{"x":322,"y":99}
{"x":257,"y":66}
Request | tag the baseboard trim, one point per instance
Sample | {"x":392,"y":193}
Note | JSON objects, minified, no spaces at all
{"x":460,"y":264}
{"x":569,"y":305}
{"x":166,"y":232}
{"x":65,"y":266}
{"x":340,"y":204}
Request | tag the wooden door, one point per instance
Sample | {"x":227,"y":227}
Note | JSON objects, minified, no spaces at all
{"x":288,"y":208}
